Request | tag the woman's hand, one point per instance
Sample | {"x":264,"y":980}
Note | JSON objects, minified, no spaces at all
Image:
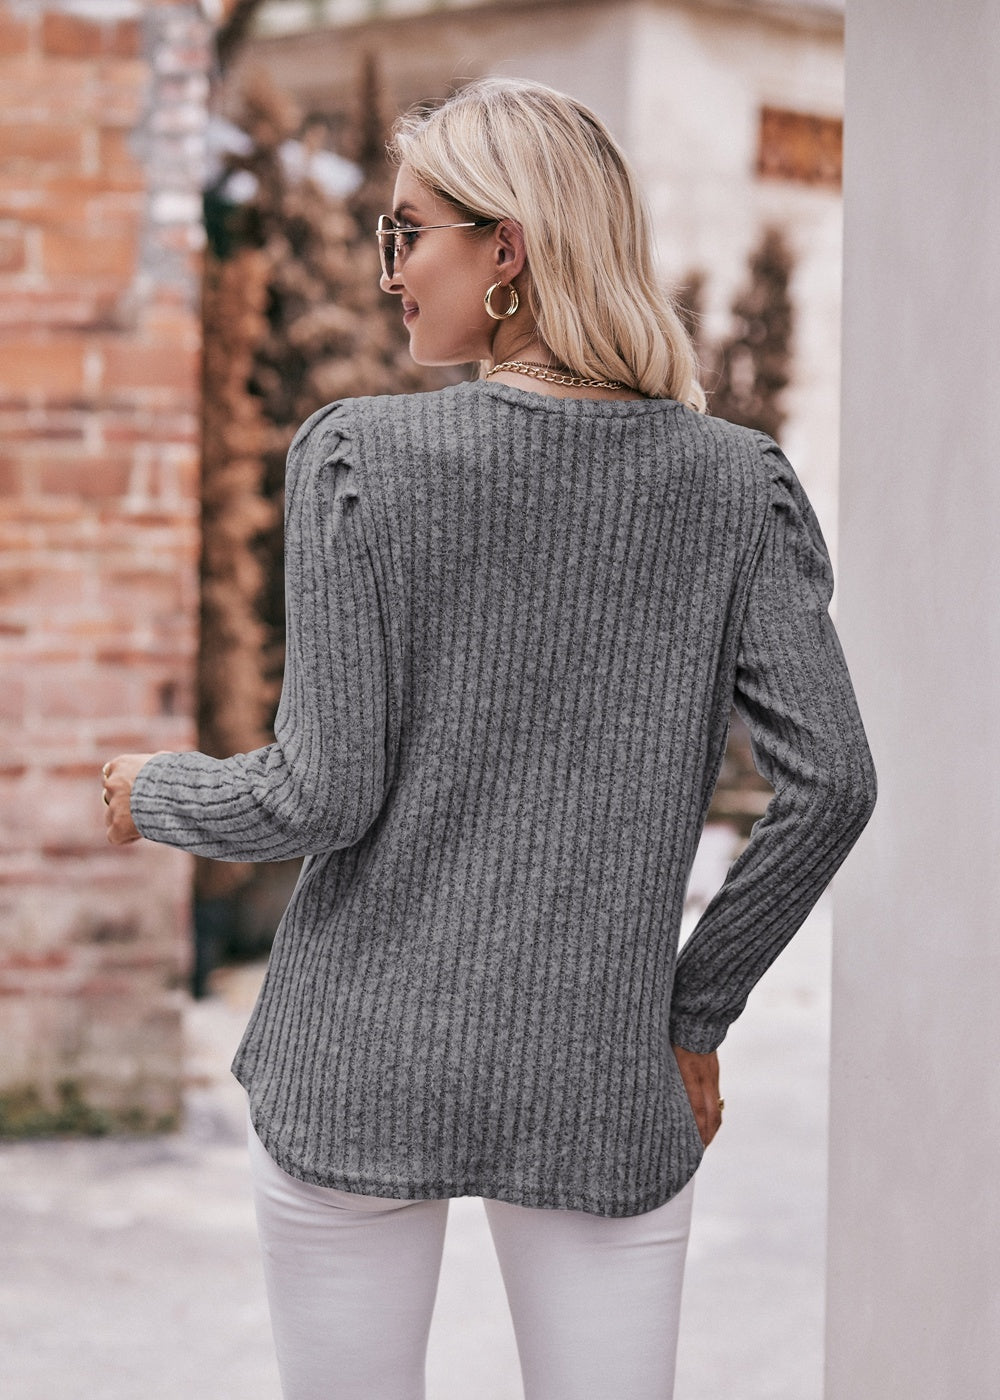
{"x":701,"y":1080}
{"x":119,"y":774}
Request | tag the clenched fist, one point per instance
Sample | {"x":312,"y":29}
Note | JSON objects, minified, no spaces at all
{"x":119,"y":774}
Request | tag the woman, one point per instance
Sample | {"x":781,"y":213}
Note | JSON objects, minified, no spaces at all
{"x":519,"y":611}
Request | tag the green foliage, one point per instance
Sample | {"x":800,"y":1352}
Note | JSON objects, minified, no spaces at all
{"x":25,"y":1114}
{"x":744,"y":376}
{"x":326,"y":331}
{"x":753,"y":364}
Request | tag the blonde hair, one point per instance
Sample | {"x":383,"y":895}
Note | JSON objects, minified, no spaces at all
{"x":507,"y":149}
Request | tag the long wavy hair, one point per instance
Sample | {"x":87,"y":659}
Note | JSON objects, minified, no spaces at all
{"x":507,"y":149}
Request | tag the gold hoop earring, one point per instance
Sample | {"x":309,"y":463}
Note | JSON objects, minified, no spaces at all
{"x":515,"y":302}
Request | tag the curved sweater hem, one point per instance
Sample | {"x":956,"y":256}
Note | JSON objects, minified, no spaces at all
{"x":498,"y":1187}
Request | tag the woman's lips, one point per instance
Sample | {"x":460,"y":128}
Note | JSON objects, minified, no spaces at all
{"x":409,"y":312}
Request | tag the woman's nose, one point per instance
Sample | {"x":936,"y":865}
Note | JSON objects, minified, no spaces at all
{"x":390,"y":284}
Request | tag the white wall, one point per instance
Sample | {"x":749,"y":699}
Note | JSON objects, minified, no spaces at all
{"x":681,"y":85}
{"x":914,"y":1238}
{"x":698,"y":81}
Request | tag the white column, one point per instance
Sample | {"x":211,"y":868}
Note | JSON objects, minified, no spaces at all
{"x":914,"y":1226}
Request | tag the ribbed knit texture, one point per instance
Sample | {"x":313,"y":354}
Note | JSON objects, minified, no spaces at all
{"x":516,"y":625}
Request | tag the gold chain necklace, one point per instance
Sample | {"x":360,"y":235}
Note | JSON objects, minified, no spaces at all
{"x":555,"y":376}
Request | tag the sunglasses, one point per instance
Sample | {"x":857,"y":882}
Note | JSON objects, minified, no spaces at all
{"x":394,"y":240}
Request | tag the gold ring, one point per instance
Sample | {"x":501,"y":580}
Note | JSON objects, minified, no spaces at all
{"x":107,"y":800}
{"x":104,"y":770}
{"x":722,"y":1104}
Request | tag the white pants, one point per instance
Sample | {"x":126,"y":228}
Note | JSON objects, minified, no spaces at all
{"x":351,"y":1282}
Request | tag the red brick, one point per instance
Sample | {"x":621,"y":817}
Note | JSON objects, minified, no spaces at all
{"x":174,"y":697}
{"x":126,"y":425}
{"x":155,"y":588}
{"x":126,"y":736}
{"x":72,"y":692}
{"x":62,"y":206}
{"x":15,"y":35}
{"x":58,"y":425}
{"x":69,"y":36}
{"x":39,"y":961}
{"x":41,"y":143}
{"x":52,"y":369}
{"x":12,"y":477}
{"x":123,"y":91}
{"x":64,"y":196}
{"x":167,"y":521}
{"x":183,"y":238}
{"x":66,"y":309}
{"x":122,"y":655}
{"x":125,"y":39}
{"x":178,"y":474}
{"x":63,"y":209}
{"x":30,"y":93}
{"x":125,"y":73}
{"x":71,"y":850}
{"x":40,"y":524}
{"x":172,"y":325}
{"x":86,"y":480}
{"x":15,"y":580}
{"x":21,"y":196}
{"x":43,"y":590}
{"x":86,"y":771}
{"x":49,"y":650}
{"x":13,"y":253}
{"x":98,"y":211}
{"x":97,"y":569}
{"x":88,"y":255}
{"x":131,"y":366}
{"x":12,"y":699}
{"x":116,"y":154}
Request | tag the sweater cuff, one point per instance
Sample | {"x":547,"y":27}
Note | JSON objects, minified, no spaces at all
{"x":144,"y":792}
{"x":700,"y":1037}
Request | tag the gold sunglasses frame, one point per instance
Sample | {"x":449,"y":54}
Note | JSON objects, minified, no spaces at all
{"x":390,"y":229}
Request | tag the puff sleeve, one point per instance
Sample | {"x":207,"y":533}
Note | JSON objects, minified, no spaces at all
{"x":322,"y":782}
{"x":793,"y":690}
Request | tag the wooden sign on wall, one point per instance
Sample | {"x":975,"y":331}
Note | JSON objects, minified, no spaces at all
{"x":800,"y":146}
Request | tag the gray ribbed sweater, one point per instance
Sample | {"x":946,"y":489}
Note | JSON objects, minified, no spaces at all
{"x":516,"y":625}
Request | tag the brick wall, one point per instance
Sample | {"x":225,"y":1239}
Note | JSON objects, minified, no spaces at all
{"x":102,"y":110}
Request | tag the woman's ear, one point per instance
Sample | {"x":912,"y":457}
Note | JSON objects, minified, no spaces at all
{"x":509,"y":250}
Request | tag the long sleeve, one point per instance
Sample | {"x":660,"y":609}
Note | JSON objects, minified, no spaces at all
{"x":795,"y":694}
{"x":321,"y":783}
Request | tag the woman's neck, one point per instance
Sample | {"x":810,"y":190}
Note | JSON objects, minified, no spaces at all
{"x":534,"y":352}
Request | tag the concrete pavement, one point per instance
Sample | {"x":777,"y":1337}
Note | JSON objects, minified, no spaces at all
{"x":130,"y":1269}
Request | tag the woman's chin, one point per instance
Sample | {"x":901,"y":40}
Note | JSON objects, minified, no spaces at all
{"x":435,"y":358}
